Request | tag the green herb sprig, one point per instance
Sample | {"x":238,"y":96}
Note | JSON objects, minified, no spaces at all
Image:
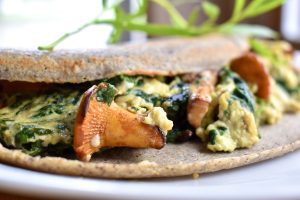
{"x":179,"y":26}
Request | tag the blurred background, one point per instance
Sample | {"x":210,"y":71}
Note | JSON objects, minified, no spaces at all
{"x":30,"y":23}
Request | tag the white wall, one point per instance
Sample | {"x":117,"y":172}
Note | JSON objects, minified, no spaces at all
{"x":30,"y":23}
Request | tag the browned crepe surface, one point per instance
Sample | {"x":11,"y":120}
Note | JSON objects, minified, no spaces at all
{"x":159,"y":57}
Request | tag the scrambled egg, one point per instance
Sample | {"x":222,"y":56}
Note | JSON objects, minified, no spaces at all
{"x":240,"y":121}
{"x":285,"y":85}
{"x":280,"y":102}
{"x":154,"y":86}
{"x":239,"y":124}
{"x":157,"y":116}
{"x":277,"y":57}
{"x":235,"y":126}
{"x":45,"y":118}
{"x":134,"y":103}
{"x":220,"y":139}
{"x":140,"y":104}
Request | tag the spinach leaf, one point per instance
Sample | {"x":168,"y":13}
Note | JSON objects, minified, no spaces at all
{"x":212,"y":135}
{"x":3,"y":125}
{"x":287,"y":89}
{"x":24,"y":131}
{"x":26,"y":140}
{"x":175,"y":106}
{"x":48,"y":110}
{"x":28,"y":132}
{"x":33,"y":148}
{"x":23,"y":136}
{"x":176,"y":109}
{"x":107,"y":94}
{"x":24,"y":107}
{"x":151,"y":98}
{"x":117,"y":80}
{"x":54,"y":103}
{"x":37,"y":148}
{"x":179,"y":135}
{"x":222,"y":129}
{"x":241,"y":91}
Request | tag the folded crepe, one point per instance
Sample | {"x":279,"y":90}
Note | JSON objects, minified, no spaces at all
{"x":117,"y":107}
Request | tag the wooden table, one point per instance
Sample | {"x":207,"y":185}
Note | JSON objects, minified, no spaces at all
{"x":6,"y":196}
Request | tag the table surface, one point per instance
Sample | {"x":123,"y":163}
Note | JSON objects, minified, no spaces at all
{"x":6,"y":196}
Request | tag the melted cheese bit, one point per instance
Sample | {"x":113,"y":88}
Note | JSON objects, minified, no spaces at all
{"x":158,"y":117}
{"x":95,"y":142}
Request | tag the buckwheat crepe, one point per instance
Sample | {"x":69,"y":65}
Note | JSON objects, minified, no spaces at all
{"x":161,"y":57}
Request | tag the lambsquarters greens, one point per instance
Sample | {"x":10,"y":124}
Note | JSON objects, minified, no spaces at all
{"x":223,"y":108}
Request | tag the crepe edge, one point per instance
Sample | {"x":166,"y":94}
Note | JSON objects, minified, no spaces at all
{"x":144,"y":169}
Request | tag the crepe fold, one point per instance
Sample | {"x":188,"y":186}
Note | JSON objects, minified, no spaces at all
{"x":160,"y":57}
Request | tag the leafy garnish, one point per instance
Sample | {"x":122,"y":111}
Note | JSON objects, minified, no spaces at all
{"x":136,"y":21}
{"x":254,"y":30}
{"x":261,"y":49}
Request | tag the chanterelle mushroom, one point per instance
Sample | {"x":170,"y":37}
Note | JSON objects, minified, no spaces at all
{"x":254,"y":72}
{"x":201,"y":97}
{"x":100,"y":122}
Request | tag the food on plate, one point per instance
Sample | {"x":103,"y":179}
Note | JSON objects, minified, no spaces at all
{"x":214,"y":91}
{"x":253,"y":72}
{"x":100,"y":123}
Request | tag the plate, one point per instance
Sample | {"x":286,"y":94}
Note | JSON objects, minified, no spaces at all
{"x":273,"y":179}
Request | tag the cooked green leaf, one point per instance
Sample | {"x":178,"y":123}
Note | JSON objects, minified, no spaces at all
{"x":241,"y":91}
{"x":212,"y":135}
{"x":106,"y":94}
